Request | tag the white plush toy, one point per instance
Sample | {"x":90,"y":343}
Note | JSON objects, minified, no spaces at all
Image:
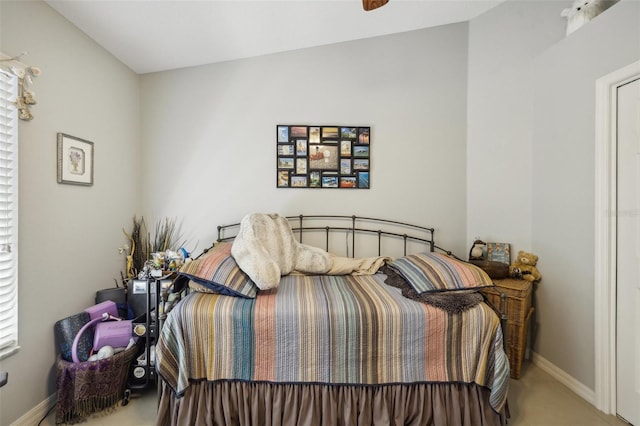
{"x":265,"y":249}
{"x":583,"y":11}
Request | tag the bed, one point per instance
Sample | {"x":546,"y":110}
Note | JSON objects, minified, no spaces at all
{"x":364,"y":346}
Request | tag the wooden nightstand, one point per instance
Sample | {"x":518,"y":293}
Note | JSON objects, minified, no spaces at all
{"x":518,"y":309}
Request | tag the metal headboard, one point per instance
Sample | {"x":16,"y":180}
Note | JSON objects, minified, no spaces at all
{"x":349,"y":224}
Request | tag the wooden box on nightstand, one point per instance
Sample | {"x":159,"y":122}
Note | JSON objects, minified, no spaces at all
{"x":518,"y":310}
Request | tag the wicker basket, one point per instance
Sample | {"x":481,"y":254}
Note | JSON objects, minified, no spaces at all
{"x":518,"y":309}
{"x":85,"y":388}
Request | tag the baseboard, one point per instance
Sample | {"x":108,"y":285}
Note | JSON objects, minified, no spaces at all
{"x":560,"y":375}
{"x":33,"y":416}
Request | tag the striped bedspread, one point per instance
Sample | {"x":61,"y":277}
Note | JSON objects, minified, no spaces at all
{"x":330,"y":329}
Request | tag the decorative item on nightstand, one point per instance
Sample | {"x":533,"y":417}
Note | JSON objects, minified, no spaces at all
{"x":518,"y":310}
{"x":499,"y":252}
{"x":490,"y":258}
{"x":478,"y":250}
{"x":524,"y":267}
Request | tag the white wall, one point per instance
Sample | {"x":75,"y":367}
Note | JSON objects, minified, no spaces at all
{"x":69,"y":234}
{"x":563,"y":181}
{"x":210,"y":132}
{"x":502,"y":45}
{"x":531,"y":154}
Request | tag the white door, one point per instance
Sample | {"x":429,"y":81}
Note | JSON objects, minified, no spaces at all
{"x":628,"y":252}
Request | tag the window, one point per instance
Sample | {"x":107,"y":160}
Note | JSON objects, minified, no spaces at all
{"x":8,"y":214}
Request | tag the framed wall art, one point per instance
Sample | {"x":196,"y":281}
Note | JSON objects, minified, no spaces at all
{"x":323,"y":156}
{"x":499,"y":252}
{"x":75,"y":160}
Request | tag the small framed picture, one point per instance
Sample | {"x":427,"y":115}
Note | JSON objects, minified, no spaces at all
{"x":298,"y":181}
{"x":348,"y":132}
{"x":283,"y":178}
{"x":298,"y":131}
{"x":285,"y":149}
{"x":314,"y":134}
{"x":363,"y":179}
{"x":345,"y":166}
{"x":347,"y":182}
{"x":301,"y":147}
{"x":314,"y":180}
{"x":283,"y":134}
{"x":361,"y":151}
{"x":363,"y":135}
{"x":285,"y":163}
{"x":75,"y":160}
{"x":329,"y":181}
{"x":323,"y":157}
{"x":301,"y":166}
{"x":360,"y":164}
{"x":330,"y":132}
{"x":345,"y":148}
{"x":499,"y":252}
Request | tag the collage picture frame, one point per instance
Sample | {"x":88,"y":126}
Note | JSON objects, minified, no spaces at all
{"x":323,"y":156}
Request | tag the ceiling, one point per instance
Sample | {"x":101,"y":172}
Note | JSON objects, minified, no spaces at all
{"x":158,"y":35}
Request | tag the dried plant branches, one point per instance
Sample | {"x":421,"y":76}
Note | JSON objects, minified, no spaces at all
{"x":140,"y":244}
{"x":166,"y":236}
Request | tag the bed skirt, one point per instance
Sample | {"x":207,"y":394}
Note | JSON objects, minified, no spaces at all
{"x":272,"y":404}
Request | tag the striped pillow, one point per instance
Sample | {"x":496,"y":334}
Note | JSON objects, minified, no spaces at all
{"x":217,"y":271}
{"x":433,"y":272}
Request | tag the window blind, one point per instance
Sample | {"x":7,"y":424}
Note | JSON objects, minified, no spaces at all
{"x":8,"y":214}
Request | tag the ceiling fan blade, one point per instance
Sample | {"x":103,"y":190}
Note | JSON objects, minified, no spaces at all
{"x":373,"y":4}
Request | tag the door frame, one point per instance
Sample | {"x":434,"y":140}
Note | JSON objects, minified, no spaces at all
{"x":605,"y":235}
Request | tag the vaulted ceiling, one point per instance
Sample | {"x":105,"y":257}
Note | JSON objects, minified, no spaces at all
{"x":158,"y":35}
